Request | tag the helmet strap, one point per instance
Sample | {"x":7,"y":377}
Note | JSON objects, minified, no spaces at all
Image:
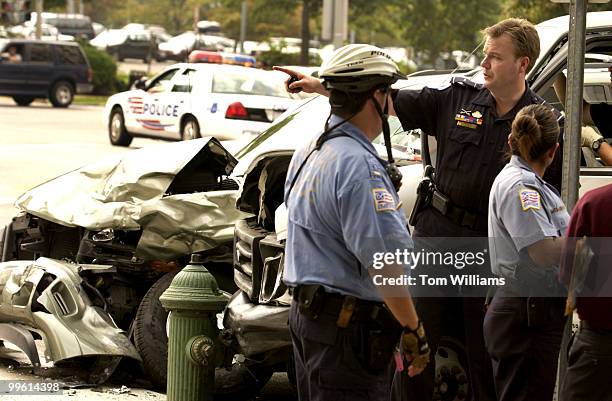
{"x":394,"y":174}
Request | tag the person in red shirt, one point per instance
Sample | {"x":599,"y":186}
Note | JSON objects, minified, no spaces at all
{"x":590,"y":355}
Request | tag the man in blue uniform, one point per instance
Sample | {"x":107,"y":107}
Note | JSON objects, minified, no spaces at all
{"x":471,"y":123}
{"x":344,"y":211}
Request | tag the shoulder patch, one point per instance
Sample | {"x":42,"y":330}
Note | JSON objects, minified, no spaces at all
{"x":530,"y":199}
{"x":383,"y":200}
{"x":462,"y":81}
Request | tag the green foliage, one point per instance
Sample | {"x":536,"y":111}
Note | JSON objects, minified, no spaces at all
{"x":104,"y":70}
{"x":122,"y":82}
{"x":434,"y":26}
{"x":428,"y":26}
{"x":277,"y":57}
{"x":537,"y":11}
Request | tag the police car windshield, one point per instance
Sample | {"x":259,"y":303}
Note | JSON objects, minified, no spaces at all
{"x":259,"y":83}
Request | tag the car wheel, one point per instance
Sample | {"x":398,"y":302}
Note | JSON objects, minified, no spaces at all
{"x":190,"y":130}
{"x":451,"y":379}
{"x":151,"y":340}
{"x":62,"y":94}
{"x":117,"y":133}
{"x":23,"y":100}
{"x":150,"y":336}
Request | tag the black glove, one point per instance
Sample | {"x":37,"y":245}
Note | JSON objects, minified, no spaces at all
{"x":415,"y":347}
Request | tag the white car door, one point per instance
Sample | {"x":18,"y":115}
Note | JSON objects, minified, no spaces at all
{"x":158,"y":108}
{"x":180,"y":96}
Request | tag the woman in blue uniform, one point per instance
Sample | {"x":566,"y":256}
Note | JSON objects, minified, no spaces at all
{"x":527,"y":218}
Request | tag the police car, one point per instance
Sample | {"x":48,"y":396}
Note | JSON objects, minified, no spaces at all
{"x":187,"y":101}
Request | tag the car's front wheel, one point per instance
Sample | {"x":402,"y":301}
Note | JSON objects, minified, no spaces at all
{"x":117,"y":133}
{"x":23,"y":100}
{"x":190,"y":130}
{"x":62,"y":94}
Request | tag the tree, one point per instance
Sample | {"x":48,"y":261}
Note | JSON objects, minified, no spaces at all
{"x":435,"y":26}
{"x":537,"y":11}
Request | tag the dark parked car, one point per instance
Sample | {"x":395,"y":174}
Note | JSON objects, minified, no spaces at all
{"x":77,"y":25}
{"x":43,"y":69}
{"x":139,"y":45}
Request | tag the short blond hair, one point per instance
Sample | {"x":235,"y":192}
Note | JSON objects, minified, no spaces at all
{"x":523,"y":34}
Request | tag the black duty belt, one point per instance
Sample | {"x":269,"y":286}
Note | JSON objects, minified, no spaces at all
{"x":456,"y":214}
{"x":331,"y":304}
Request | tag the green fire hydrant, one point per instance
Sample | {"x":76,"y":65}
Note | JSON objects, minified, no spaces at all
{"x":193,"y":300}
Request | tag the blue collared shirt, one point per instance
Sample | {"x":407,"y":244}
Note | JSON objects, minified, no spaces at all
{"x":523,"y":209}
{"x":343,"y":210}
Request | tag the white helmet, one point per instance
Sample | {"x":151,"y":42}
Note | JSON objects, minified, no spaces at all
{"x":358,"y":68}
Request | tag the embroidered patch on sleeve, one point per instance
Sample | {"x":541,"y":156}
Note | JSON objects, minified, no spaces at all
{"x":530,"y":199}
{"x":383,"y":200}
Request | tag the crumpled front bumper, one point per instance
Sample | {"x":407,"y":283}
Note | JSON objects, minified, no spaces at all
{"x":46,"y":296}
{"x":258,"y":328}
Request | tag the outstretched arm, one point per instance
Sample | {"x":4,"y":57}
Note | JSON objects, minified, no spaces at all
{"x":302,"y":82}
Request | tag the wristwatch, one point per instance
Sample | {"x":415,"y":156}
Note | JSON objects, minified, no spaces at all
{"x":597,"y":144}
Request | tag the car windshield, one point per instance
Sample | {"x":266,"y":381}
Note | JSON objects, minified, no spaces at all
{"x":245,"y":83}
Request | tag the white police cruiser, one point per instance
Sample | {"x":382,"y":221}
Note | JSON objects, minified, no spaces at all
{"x":187,"y":101}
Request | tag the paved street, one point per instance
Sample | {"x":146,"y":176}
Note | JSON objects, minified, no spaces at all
{"x":38,"y":143}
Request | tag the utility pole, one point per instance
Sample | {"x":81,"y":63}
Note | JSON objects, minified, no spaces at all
{"x":70,"y":6}
{"x":305,"y":32}
{"x":243,"y":25}
{"x":573,"y":123}
{"x":39,"y":10}
{"x":196,"y":17}
{"x":335,"y":21}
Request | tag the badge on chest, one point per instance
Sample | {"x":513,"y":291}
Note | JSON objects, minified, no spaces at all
{"x":468,"y":119}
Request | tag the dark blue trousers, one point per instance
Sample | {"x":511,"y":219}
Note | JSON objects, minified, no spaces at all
{"x":326,"y":364}
{"x":523,"y":338}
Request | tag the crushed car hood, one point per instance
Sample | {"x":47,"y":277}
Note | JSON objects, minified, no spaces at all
{"x":171,"y":191}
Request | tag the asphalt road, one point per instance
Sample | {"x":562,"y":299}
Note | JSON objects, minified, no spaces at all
{"x":38,"y":143}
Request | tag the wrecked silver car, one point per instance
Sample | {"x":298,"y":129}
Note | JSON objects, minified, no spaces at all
{"x":48,"y":298}
{"x":97,"y":247}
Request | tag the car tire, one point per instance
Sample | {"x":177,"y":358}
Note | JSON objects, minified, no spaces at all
{"x":23,"y":100}
{"x":150,"y":336}
{"x":451,"y":377}
{"x":61,"y":94}
{"x":151,"y":340}
{"x":190,"y":129}
{"x":117,"y":133}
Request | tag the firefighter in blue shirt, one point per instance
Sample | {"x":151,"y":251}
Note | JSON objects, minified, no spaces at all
{"x":527,"y":220}
{"x":344,"y":212}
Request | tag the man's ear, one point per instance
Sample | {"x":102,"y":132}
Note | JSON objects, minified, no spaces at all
{"x":524,"y":64}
